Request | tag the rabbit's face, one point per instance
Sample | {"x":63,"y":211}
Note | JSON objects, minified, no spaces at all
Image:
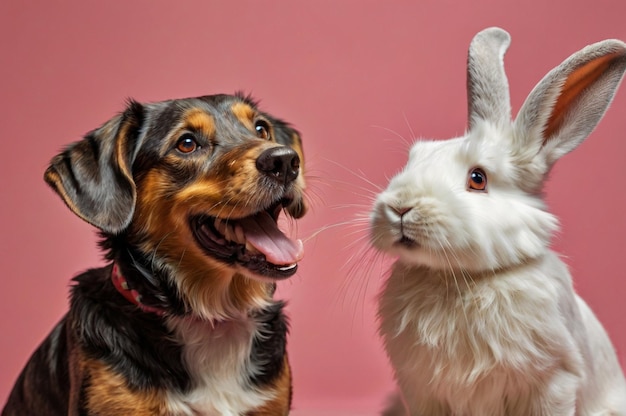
{"x":462,"y":204}
{"x":473,"y":203}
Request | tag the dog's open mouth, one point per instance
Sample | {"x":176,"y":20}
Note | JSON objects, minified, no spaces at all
{"x":254,"y":242}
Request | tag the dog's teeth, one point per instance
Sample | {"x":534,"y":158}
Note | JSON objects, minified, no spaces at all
{"x":229,"y":233}
{"x":232,"y":232}
{"x":239,"y":235}
{"x":250,"y":248}
{"x":219,"y":226}
{"x":287,"y":268}
{"x":205,"y":229}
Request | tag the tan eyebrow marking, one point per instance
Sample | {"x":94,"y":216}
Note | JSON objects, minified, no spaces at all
{"x":244,"y":113}
{"x":199,"y":120}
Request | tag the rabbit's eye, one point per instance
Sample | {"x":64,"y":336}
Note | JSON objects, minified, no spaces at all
{"x":477,"y":180}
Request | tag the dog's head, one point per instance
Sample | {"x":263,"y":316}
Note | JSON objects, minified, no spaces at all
{"x":197,"y":185}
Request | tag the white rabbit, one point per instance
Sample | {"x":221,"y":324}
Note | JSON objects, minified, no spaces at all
{"x":479,"y":317}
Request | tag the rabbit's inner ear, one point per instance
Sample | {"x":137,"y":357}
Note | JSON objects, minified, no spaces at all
{"x":569,"y":102}
{"x":575,"y":84}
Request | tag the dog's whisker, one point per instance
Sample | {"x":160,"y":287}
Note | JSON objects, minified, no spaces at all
{"x":358,"y":175}
{"x":324,"y":229}
{"x":369,"y":193}
{"x":155,"y":251}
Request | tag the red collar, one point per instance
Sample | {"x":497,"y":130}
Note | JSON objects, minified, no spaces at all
{"x":120,"y":283}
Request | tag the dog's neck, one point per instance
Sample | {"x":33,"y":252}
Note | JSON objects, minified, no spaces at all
{"x":134,"y":297}
{"x":121,"y":284}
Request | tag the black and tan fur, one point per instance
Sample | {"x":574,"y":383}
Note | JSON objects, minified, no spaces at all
{"x":206,"y":336}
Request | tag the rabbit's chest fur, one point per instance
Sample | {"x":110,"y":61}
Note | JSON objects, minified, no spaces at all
{"x":479,"y":343}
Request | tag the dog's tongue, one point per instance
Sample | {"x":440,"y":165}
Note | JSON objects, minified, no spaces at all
{"x":262,"y":232}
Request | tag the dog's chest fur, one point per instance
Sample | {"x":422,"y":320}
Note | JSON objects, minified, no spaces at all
{"x":218,"y":361}
{"x":480,"y":345}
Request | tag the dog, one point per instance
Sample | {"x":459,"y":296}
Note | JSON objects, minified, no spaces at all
{"x":186,"y":194}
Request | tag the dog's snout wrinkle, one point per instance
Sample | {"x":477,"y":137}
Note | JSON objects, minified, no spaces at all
{"x":281,"y":163}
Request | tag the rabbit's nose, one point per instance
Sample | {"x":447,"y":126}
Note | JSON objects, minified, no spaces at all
{"x":401,"y":210}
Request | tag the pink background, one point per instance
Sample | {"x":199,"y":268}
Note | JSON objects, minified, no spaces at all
{"x":358,"y":78}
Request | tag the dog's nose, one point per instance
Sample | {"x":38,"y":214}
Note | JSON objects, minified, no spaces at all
{"x":281,"y":163}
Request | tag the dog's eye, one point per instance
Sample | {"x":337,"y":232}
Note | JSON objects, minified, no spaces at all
{"x":262,"y":129}
{"x":477,"y":180}
{"x":187,"y":144}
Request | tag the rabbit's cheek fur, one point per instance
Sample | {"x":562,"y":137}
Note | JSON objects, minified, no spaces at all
{"x":428,"y":217}
{"x":422,"y":228}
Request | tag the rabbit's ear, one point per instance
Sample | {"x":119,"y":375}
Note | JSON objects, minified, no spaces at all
{"x":487,"y":85}
{"x":567,"y":104}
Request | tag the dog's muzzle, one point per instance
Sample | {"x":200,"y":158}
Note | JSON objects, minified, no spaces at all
{"x":281,"y":163}
{"x":255,"y":242}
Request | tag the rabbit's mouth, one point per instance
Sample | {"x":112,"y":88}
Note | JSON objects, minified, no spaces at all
{"x":407,"y":242}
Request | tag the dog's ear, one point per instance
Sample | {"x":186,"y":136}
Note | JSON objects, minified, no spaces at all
{"x":94,"y":177}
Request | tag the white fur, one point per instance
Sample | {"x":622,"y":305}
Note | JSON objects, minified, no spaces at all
{"x":479,"y":317}
{"x":217,"y":357}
